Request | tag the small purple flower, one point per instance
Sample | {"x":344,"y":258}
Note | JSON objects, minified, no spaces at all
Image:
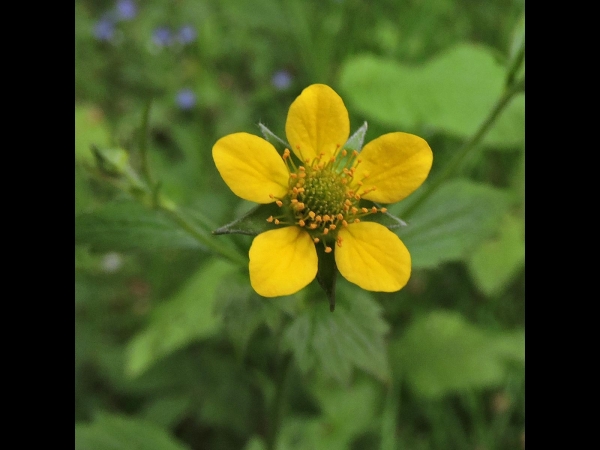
{"x":187,"y":34}
{"x":281,"y":80}
{"x":162,"y":37}
{"x":186,"y":99}
{"x":104,"y":30}
{"x":126,"y":9}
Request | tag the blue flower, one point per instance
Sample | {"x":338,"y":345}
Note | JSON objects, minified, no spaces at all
{"x":162,"y":37}
{"x":104,"y":30}
{"x":126,"y":9}
{"x":187,"y":34}
{"x":281,"y":80}
{"x":186,"y":99}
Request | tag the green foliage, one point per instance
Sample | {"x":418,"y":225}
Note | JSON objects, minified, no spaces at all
{"x":446,"y":227}
{"x":186,"y":317}
{"x":451,"y":93}
{"x":441,"y":353}
{"x":173,"y":347}
{"x":115,"y":432}
{"x":129,"y":225}
{"x":336,"y":343}
{"x":498,"y":260}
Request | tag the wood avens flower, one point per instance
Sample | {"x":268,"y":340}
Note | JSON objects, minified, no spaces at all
{"x":319,"y":189}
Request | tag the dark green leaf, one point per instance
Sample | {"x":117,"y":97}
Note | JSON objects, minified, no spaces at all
{"x":336,"y":343}
{"x":442,"y":353}
{"x":450,"y":223}
{"x":114,"y":432}
{"x":123,"y":226}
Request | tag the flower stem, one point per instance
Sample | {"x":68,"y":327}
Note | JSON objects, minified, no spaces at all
{"x":278,"y":405}
{"x":468,"y":147}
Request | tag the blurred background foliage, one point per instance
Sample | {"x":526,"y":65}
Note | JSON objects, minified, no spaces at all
{"x":173,"y":349}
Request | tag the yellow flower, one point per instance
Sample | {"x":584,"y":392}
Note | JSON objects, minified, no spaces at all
{"x":319,"y":196}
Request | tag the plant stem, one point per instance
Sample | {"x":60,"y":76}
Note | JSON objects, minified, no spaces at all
{"x":468,"y":147}
{"x":278,"y":401}
{"x":226,"y":252}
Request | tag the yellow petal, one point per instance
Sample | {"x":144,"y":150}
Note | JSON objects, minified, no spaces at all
{"x":251,"y":167}
{"x":317,"y":122}
{"x":373,"y":257}
{"x":397,"y":164}
{"x":282,"y":261}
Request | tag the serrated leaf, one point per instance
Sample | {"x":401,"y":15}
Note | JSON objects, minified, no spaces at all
{"x":115,"y":432}
{"x":450,"y":223}
{"x":253,"y":223}
{"x":452,"y":93}
{"x":441,"y":353}
{"x":186,"y":317}
{"x":336,"y":343}
{"x":123,"y":226}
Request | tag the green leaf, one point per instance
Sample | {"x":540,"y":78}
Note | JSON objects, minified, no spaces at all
{"x":336,"y":343}
{"x":498,"y":260}
{"x":127,"y":225}
{"x":114,"y":432}
{"x":450,"y":223}
{"x":186,"y":317}
{"x":452,"y":93}
{"x":252,"y":223}
{"x":441,"y":353}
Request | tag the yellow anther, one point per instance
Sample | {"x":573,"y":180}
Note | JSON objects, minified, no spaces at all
{"x":311,"y":214}
{"x":327,"y":249}
{"x":354,"y":210}
{"x":332,"y":226}
{"x":325,"y":230}
{"x":294,"y":200}
{"x":373,"y":210}
{"x":301,"y":223}
{"x":316,"y":240}
{"x":365,"y":210}
{"x":348,"y":202}
{"x":295,"y":190}
{"x":270,"y":219}
{"x":357,"y":197}
{"x":301,"y":169}
{"x":300,"y":190}
{"x":293,"y":175}
{"x":271,"y":196}
{"x":312,"y":226}
{"x":339,"y":241}
{"x":300,"y":206}
{"x":383,"y":210}
{"x":318,"y":219}
{"x":279,"y":203}
{"x":354,"y":153}
{"x":356,"y":220}
{"x":326,"y":218}
{"x":276,"y":221}
{"x":344,"y":152}
{"x":340,"y":216}
{"x":344,"y":223}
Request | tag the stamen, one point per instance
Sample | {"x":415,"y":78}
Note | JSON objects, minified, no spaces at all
{"x":327,"y":249}
{"x":279,"y":203}
{"x":301,"y":223}
{"x":316,"y":240}
{"x":270,"y":219}
{"x":276,"y":221}
{"x":344,"y":223}
{"x":383,"y":210}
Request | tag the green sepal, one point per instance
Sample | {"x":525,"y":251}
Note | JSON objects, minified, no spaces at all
{"x":386,"y":219}
{"x":111,"y":161}
{"x":327,"y":274}
{"x":252,"y":223}
{"x":355,"y":142}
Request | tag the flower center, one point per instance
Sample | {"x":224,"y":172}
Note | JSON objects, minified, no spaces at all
{"x":324,"y":196}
